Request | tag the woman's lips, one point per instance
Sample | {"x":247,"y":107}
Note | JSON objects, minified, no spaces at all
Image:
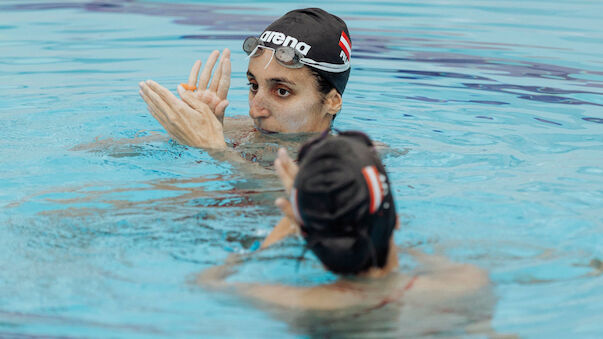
{"x":264,"y":131}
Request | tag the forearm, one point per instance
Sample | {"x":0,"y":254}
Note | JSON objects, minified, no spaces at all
{"x":283,"y":229}
{"x":215,"y":277}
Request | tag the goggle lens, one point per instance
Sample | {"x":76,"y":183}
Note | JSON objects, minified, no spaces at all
{"x":250,"y":44}
{"x":285,"y":55}
{"x":290,"y":57}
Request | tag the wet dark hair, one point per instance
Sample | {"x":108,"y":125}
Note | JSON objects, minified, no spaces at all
{"x":323,"y":86}
{"x":353,"y":254}
{"x":333,"y":199}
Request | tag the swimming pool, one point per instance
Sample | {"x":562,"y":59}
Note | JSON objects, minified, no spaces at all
{"x":494,"y":109}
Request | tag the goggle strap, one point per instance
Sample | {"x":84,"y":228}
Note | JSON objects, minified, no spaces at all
{"x":271,"y":57}
{"x":252,"y":54}
{"x":325,"y":66}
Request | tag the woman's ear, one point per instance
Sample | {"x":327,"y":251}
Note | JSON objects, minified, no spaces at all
{"x":333,"y":102}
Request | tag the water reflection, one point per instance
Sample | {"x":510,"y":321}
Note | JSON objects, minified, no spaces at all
{"x":411,"y":318}
{"x":383,"y":47}
{"x":190,"y":216}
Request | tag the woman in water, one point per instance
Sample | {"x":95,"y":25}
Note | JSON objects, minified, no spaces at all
{"x":298,"y":70}
{"x":340,"y":201}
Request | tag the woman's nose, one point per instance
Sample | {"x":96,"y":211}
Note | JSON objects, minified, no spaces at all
{"x":257,"y":106}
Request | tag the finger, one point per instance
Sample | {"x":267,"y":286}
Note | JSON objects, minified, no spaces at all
{"x":286,"y":179}
{"x":170,"y":99}
{"x":285,"y":206}
{"x":151,"y":108}
{"x":215,"y":80}
{"x":192,"y":78}
{"x":224,"y":84}
{"x":154,"y":107}
{"x":142,"y":85}
{"x":289,"y":165}
{"x":188,"y":87}
{"x":220,"y":110}
{"x":174,"y":122}
{"x":161,"y":118}
{"x":194,"y":103}
{"x":158,"y":114}
{"x":281,"y":230}
{"x":206,"y":73}
{"x":209,"y":98}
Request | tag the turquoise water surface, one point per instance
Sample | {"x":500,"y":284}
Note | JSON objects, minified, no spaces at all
{"x":493,"y":112}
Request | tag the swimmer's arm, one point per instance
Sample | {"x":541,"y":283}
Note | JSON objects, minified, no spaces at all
{"x":286,"y":169}
{"x":308,"y":298}
{"x":448,"y":277}
{"x":323,"y":297}
{"x":283,"y":229}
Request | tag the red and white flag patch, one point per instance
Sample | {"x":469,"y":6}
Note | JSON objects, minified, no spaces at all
{"x":371,"y":175}
{"x":345,"y":44}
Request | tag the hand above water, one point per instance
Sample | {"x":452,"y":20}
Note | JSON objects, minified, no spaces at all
{"x":196,"y":120}
{"x":215,"y":94}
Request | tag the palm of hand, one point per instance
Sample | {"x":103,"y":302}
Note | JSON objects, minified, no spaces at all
{"x":196,"y":120}
{"x":214,"y":102}
{"x":213,"y":95}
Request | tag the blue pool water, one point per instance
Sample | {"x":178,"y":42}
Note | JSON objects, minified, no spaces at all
{"x":494,"y":113}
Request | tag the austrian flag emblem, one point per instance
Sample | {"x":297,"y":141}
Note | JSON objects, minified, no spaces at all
{"x":346,"y":46}
{"x":375,"y":186}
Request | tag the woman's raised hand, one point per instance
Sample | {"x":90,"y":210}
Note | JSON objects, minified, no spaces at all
{"x":196,"y":120}
{"x":196,"y":127}
{"x":213,"y":93}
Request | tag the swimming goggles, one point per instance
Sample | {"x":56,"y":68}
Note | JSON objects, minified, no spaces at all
{"x":289,"y":57}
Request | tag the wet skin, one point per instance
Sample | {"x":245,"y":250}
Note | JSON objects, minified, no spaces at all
{"x":281,"y":99}
{"x":285,"y":100}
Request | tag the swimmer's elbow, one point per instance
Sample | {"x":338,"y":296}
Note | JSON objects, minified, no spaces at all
{"x":471,"y":278}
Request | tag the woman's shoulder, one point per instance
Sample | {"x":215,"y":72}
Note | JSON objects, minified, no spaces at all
{"x":451,"y":282}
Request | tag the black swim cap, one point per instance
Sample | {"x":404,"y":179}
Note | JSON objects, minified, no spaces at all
{"x":317,"y":35}
{"x":343,"y":201}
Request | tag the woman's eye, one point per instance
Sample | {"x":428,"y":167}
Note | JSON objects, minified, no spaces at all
{"x":283,"y":92}
{"x":253,"y":87}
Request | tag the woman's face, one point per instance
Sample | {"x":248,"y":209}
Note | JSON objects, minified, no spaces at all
{"x":283,"y":99}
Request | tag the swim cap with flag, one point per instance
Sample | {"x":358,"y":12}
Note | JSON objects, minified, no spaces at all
{"x":343,"y":202}
{"x":321,"y":37}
